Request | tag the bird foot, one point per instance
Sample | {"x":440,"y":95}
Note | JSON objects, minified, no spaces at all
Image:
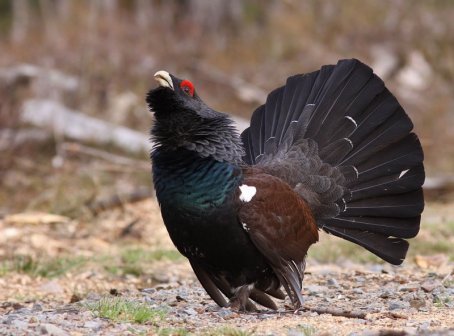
{"x":239,"y":305}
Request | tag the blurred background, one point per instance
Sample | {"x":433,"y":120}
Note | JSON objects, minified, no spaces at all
{"x":61,"y":61}
{"x":74,"y":127}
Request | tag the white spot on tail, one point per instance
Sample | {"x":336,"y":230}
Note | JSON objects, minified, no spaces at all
{"x":245,"y":227}
{"x":403,"y":172}
{"x":352,"y":120}
{"x":356,"y":171}
{"x":349,"y":141}
{"x":247,"y":193}
{"x":345,"y":204}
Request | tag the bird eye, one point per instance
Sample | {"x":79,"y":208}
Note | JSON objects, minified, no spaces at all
{"x":187,"y":87}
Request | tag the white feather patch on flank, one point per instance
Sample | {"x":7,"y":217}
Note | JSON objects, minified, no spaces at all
{"x":245,"y":227}
{"x":247,"y":193}
{"x":403,"y":172}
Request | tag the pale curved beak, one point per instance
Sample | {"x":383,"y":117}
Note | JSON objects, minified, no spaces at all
{"x":163,"y":78}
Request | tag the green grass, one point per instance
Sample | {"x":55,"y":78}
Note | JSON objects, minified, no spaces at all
{"x":227,"y":331}
{"x":46,"y":268}
{"x":136,"y":255}
{"x":172,"y":332}
{"x":135,"y":261}
{"x":123,"y":310}
{"x":441,"y":302}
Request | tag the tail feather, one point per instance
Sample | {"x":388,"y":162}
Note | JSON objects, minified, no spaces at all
{"x":342,"y":85}
{"x":403,"y":155}
{"x":392,"y":250}
{"x":320,"y":84}
{"x":397,"y":183}
{"x":247,"y":141}
{"x":345,"y":127}
{"x":397,"y":227}
{"x":342,"y":140}
{"x":271,"y":115}
{"x":379,"y":110}
{"x":297,"y":90}
{"x":395,"y":128}
{"x":409,"y":204}
{"x":257,"y":134}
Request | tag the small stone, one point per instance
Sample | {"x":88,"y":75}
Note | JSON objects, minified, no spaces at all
{"x":19,"y":324}
{"x":360,"y":279}
{"x":417,"y":303}
{"x":37,"y":307}
{"x":332,"y":282}
{"x":358,"y":291}
{"x":95,"y":325}
{"x":33,"y":319}
{"x":429,"y":285}
{"x":315,"y":289}
{"x":225,"y":313}
{"x":385,"y":294}
{"x":23,"y":311}
{"x":190,"y":311}
{"x":413,"y":287}
{"x":161,"y":277}
{"x":393,"y":305}
{"x":52,"y":330}
{"x":179,"y":298}
{"x":10,"y":319}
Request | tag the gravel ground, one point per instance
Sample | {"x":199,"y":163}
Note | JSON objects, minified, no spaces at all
{"x":388,"y":298}
{"x":376,"y":299}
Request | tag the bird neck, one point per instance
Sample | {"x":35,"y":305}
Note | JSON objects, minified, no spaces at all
{"x":184,"y":180}
{"x":215,"y":137}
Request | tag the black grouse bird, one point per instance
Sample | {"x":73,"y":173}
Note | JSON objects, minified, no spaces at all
{"x":330,"y":150}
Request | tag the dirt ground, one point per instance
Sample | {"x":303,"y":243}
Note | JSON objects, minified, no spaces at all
{"x":67,"y":266}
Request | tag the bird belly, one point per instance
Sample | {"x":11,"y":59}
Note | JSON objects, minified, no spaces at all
{"x":218,"y":242}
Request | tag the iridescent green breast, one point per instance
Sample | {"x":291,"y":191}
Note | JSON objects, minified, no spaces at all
{"x":187,"y":182}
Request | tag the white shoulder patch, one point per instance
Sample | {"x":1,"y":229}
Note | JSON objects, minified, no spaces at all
{"x":247,"y":193}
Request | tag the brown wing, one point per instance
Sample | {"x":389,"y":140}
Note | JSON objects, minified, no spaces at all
{"x":281,"y":226}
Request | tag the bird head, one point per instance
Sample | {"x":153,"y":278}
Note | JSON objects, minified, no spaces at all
{"x":173,"y":95}
{"x":183,"y":120}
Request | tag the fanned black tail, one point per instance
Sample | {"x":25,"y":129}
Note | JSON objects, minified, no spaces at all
{"x":365,"y":163}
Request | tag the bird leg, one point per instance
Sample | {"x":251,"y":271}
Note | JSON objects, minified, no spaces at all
{"x":240,"y":299}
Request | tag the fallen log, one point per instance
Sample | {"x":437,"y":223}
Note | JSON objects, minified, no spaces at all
{"x":72,"y":124}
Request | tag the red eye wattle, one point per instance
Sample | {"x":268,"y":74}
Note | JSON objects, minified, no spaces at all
{"x":187,"y":87}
